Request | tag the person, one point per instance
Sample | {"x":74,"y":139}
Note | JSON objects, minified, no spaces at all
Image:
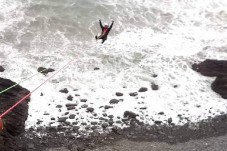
{"x":105,"y":31}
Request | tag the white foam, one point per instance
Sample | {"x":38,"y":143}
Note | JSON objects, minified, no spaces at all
{"x":170,"y":37}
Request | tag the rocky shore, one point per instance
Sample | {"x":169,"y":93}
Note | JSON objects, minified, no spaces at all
{"x":14,"y":122}
{"x":70,"y":136}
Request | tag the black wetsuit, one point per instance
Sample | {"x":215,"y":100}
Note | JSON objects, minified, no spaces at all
{"x":105,"y":31}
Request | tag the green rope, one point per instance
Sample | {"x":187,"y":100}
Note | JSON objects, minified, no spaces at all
{"x":21,"y":82}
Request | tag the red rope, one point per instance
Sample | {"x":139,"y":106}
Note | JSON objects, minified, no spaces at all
{"x":25,"y":97}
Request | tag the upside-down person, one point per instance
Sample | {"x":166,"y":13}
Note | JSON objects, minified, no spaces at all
{"x":105,"y":31}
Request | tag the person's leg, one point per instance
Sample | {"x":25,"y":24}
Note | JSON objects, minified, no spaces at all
{"x":103,"y":40}
{"x":96,"y":37}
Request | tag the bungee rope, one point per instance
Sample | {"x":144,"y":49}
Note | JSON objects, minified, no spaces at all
{"x":25,"y":97}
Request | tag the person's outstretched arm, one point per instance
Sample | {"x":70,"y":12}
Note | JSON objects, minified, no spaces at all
{"x":100,"y":23}
{"x":111,"y":25}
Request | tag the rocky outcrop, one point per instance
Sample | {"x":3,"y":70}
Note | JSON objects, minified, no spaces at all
{"x":211,"y":68}
{"x":14,"y":121}
{"x":214,"y":68}
{"x":1,"y":69}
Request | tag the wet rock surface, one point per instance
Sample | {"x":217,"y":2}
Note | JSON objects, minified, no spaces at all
{"x":2,"y":69}
{"x":214,"y":68}
{"x":14,"y":122}
{"x":45,"y":71}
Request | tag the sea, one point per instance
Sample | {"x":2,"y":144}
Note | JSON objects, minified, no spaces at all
{"x":152,"y":42}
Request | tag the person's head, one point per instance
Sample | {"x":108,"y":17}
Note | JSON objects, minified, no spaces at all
{"x":106,"y":25}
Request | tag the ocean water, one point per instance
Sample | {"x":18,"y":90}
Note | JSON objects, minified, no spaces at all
{"x":148,"y":37}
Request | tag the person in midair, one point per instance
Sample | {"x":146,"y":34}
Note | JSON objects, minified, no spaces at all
{"x":105,"y":31}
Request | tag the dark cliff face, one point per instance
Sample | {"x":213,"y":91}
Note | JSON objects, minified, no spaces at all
{"x":214,"y":68}
{"x":14,"y":122}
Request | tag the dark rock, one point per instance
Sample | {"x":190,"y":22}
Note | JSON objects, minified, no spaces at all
{"x":2,"y":69}
{"x":71,"y":108}
{"x":70,"y":104}
{"x":170,"y":120}
{"x":45,"y":71}
{"x":154,"y":86}
{"x":211,"y":68}
{"x":59,"y":106}
{"x":83,"y":123}
{"x":83,"y":100}
{"x":130,"y":114}
{"x":103,"y":119}
{"x":65,"y":90}
{"x":72,"y":116}
{"x":90,"y":109}
{"x":143,"y":89}
{"x":94,"y":123}
{"x":143,"y":108}
{"x":96,"y":68}
{"x":52,"y":118}
{"x":220,"y":86}
{"x":119,"y":94}
{"x":70,"y":98}
{"x":84,"y":106}
{"x":111,"y":116}
{"x":158,"y":122}
{"x":66,"y":113}
{"x":154,"y":75}
{"x":104,"y":115}
{"x":62,"y":119}
{"x":41,"y":94}
{"x":133,"y":94}
{"x":77,"y":95}
{"x":14,"y":123}
{"x":105,"y":125}
{"x":114,"y":101}
{"x":108,"y":107}
{"x":161,"y":113}
{"x":111,"y":123}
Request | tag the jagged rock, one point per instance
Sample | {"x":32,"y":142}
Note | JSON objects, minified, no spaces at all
{"x":94,"y":123}
{"x":111,"y":116}
{"x":211,"y":67}
{"x":70,"y":98}
{"x":15,"y":123}
{"x":65,"y":90}
{"x":220,"y":86}
{"x":45,"y":71}
{"x":114,"y":101}
{"x":96,"y":68}
{"x":133,"y":94}
{"x":90,"y":109}
{"x":2,"y":69}
{"x":143,"y":89}
{"x":52,"y":118}
{"x":104,"y":115}
{"x":154,"y":86}
{"x":130,"y":114}
{"x":119,"y":94}
{"x":154,"y":75}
